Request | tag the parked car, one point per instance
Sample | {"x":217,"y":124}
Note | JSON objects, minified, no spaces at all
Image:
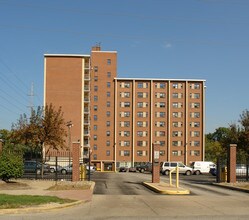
{"x":144,"y":167}
{"x":132,"y":169}
{"x":213,"y":171}
{"x":92,"y":168}
{"x":35,"y":167}
{"x":240,"y":170}
{"x":69,"y":168}
{"x":54,"y":168}
{"x":201,"y":167}
{"x":123,"y":169}
{"x":166,"y":167}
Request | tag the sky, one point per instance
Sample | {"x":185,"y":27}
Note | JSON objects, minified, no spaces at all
{"x":170,"y":39}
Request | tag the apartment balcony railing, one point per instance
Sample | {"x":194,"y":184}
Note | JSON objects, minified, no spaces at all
{"x":87,"y":77}
{"x":86,"y":88}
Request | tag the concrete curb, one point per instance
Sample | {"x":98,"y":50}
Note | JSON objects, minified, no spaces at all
{"x":42,"y":208}
{"x":231,"y":187}
{"x":166,"y":190}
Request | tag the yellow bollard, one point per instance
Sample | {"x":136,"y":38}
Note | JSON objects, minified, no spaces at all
{"x":177,"y":177}
{"x":82,"y":172}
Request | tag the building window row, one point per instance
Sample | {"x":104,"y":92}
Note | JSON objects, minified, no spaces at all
{"x":141,"y":85}
{"x":142,"y":94}
{"x":141,"y":153}
{"x":160,"y":95}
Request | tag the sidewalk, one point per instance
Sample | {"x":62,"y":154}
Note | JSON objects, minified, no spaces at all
{"x":40,"y":187}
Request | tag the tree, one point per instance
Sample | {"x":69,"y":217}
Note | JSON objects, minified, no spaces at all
{"x":11,"y":162}
{"x":244,"y":134}
{"x":45,"y":127}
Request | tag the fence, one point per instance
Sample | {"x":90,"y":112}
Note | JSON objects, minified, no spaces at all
{"x":56,"y":168}
{"x":241,"y":169}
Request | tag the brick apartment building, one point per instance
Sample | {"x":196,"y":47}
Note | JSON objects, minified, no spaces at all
{"x":117,"y":120}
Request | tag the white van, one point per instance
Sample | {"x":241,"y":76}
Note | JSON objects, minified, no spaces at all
{"x":200,"y":167}
{"x":166,"y":167}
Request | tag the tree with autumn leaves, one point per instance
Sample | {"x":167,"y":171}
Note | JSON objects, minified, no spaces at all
{"x":44,"y":127}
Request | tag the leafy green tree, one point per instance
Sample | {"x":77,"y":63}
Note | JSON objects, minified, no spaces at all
{"x":244,"y":134}
{"x":11,"y":162}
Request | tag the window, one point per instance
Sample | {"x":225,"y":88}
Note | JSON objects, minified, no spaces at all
{"x":95,"y":156}
{"x":95,"y":127}
{"x":126,"y":124}
{"x":126,"y":143}
{"x":162,"y":123}
{"x":195,"y":95}
{"x":176,"y":153}
{"x":95,"y":107}
{"x":126,"y":104}
{"x":195,"y":115}
{"x":109,"y":62}
{"x":162,"y":85}
{"x":161,"y":133}
{"x":175,"y":114}
{"x":109,"y":74}
{"x":140,"y":133}
{"x":95,"y":117}
{"x":162,"y":114}
{"x":139,"y":153}
{"x":107,"y":153}
{"x":95,"y":147}
{"x":108,"y":143}
{"x":195,"y":134}
{"x":175,"y":133}
{"x":195,"y":153}
{"x":140,"y":95}
{"x":175,"y":143}
{"x":95,"y":69}
{"x":162,"y":143}
{"x":162,"y":95}
{"x":175,"y":104}
{"x":108,"y":94}
{"x":126,"y":153}
{"x":140,"y":124}
{"x":140,"y":85}
{"x":126,"y":85}
{"x":175,"y":85}
{"x":162,"y":104}
{"x":108,"y":104}
{"x":95,"y":137}
{"x":195,"y":86}
{"x":108,"y":84}
{"x":108,"y":114}
{"x":140,"y":114}
{"x":95,"y":88}
{"x":108,"y":123}
{"x":140,"y":105}
{"x":195,"y":105}
{"x":108,"y":133}
{"x":95,"y":98}
{"x":126,"y":114}
{"x":95,"y":78}
{"x":162,"y":152}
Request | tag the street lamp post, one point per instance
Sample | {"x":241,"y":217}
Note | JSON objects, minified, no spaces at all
{"x":89,"y":165}
{"x":69,"y":125}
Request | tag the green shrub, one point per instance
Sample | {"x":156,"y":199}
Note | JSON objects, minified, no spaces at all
{"x":11,"y":165}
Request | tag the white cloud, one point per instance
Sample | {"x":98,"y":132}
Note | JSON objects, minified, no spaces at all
{"x":167,"y":45}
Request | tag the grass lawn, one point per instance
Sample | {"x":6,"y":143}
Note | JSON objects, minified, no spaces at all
{"x":20,"y":201}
